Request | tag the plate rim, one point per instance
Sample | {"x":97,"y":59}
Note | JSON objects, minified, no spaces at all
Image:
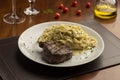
{"x":67,"y":22}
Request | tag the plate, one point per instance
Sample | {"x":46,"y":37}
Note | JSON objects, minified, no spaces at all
{"x":29,"y":47}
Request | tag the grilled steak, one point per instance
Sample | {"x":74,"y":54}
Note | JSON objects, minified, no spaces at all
{"x":55,"y":52}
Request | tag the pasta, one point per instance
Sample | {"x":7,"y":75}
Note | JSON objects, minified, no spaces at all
{"x":70,"y":35}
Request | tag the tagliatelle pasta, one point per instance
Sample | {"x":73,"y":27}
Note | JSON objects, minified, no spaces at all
{"x":70,"y":35}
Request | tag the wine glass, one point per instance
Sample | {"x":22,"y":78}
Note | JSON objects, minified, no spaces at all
{"x":13,"y":18}
{"x":31,"y":10}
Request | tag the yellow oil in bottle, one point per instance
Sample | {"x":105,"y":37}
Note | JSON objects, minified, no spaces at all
{"x":105,"y":11}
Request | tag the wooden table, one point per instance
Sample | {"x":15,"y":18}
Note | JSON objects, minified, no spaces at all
{"x":8,"y":30}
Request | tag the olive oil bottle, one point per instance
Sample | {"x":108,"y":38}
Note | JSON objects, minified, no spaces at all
{"x":105,"y":9}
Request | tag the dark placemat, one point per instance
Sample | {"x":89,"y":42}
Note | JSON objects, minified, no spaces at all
{"x":15,"y":66}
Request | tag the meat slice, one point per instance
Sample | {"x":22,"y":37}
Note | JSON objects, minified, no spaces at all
{"x":55,"y":52}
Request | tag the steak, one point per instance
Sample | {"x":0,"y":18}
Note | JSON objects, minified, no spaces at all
{"x":55,"y":52}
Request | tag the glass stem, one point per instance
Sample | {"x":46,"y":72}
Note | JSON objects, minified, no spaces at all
{"x":32,"y":5}
{"x":14,"y":8}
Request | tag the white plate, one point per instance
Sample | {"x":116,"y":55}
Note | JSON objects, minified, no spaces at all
{"x":29,"y":47}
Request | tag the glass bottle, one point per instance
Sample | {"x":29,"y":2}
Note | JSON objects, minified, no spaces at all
{"x":105,"y":9}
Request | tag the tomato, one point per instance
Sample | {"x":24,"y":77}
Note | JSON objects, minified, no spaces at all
{"x":74,"y":3}
{"x":61,"y":6}
{"x":65,"y":10}
{"x":57,"y":15}
{"x":78,"y":12}
{"x":88,"y":4}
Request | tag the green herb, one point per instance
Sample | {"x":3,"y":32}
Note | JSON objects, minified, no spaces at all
{"x":50,"y":10}
{"x":47,"y":11}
